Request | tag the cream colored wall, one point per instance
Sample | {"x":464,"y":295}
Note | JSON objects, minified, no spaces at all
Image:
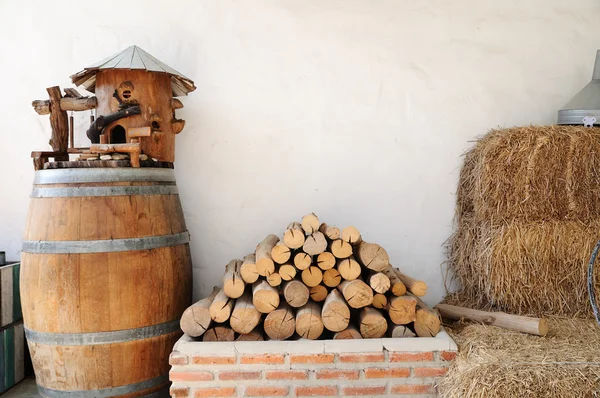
{"x":358,"y":110}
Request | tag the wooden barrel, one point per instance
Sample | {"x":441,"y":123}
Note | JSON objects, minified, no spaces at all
{"x":105,"y":277}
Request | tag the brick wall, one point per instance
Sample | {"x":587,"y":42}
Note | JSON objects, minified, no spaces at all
{"x":374,"y":367}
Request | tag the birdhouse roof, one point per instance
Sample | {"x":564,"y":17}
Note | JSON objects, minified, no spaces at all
{"x":133,"y":58}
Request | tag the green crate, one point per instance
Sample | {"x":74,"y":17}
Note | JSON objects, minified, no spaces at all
{"x":10,"y":300}
{"x":12,"y":356}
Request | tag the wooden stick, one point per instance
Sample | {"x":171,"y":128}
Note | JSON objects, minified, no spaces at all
{"x":310,"y":223}
{"x":326,"y":261}
{"x":287,"y":272}
{"x":401,"y":331}
{"x":416,"y":287}
{"x":274,"y":279}
{"x":341,"y":249}
{"x":357,"y":293}
{"x":295,"y":293}
{"x":379,"y":301}
{"x":373,"y":324}
{"x":233,"y":284}
{"x":294,"y":236}
{"x":330,"y":232}
{"x":335,"y":313}
{"x":349,"y":333}
{"x":281,"y":323}
{"x":351,"y":235}
{"x":302,"y":261}
{"x":397,"y":286}
{"x":315,"y":244}
{"x":219,"y":333}
{"x":281,"y":253}
{"x":196,"y":318}
{"x":535,"y":326}
{"x":349,"y":268}
{"x":221,"y":307}
{"x":379,"y":282}
{"x":332,"y":278}
{"x":248,"y":269}
{"x":402,"y":309}
{"x":254,"y":335}
{"x":264,"y":263}
{"x":312,"y":276}
{"x":372,"y":256}
{"x":244,"y":317}
{"x":264,"y":297}
{"x":308,"y":321}
{"x":318,"y":293}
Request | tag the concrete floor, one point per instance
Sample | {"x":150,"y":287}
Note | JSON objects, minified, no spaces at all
{"x":25,"y":389}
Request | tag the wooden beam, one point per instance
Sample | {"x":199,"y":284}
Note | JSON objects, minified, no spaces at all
{"x":59,"y":122}
{"x":42,"y":107}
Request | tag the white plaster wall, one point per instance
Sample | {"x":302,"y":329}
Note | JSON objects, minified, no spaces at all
{"x":358,"y":110}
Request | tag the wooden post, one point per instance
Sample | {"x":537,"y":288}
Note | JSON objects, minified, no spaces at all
{"x":58,"y":121}
{"x":71,"y":132}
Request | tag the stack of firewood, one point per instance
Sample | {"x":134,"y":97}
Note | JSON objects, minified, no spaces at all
{"x":316,"y":279}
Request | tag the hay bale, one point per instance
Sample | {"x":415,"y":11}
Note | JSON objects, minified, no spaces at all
{"x":494,"y":362}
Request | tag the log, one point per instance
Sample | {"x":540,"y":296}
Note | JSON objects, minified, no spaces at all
{"x":281,"y":253}
{"x":379,"y":282}
{"x":302,"y":261}
{"x":133,"y":149}
{"x":264,"y":297}
{"x":71,"y":92}
{"x":281,"y":323}
{"x":233,"y":284}
{"x":525,"y":324}
{"x":379,"y":301}
{"x":310,"y":223}
{"x":332,"y":278}
{"x":248,"y":269}
{"x":357,"y":293}
{"x":295,"y":293}
{"x":349,"y":333}
{"x":221,"y":307}
{"x":372,"y":256}
{"x":274,"y":279}
{"x":400,"y":331}
{"x":341,"y":249}
{"x":373,"y":324}
{"x":397,"y":286}
{"x":326,"y":261}
{"x":402,"y":309}
{"x":264,"y":263}
{"x":287,"y":272}
{"x":416,"y":287}
{"x":351,"y":235}
{"x":427,"y":321}
{"x":254,"y":335}
{"x":349,"y":268}
{"x":312,"y":276}
{"x":294,"y":236}
{"x":315,"y":244}
{"x":308,"y":321}
{"x":335,"y":313}
{"x":318,"y":293}
{"x":196,"y":318}
{"x":219,"y":333}
{"x":59,"y":122}
{"x":66,"y":104}
{"x":244,"y":317}
{"x":332,"y":233}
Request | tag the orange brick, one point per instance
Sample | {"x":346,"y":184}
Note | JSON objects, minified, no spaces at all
{"x":198,"y":375}
{"x":448,"y":355}
{"x":287,"y":375}
{"x":266,"y":391}
{"x":337,"y":374}
{"x":316,"y":391}
{"x":177,"y":392}
{"x":314,"y":358}
{"x":412,"y":389}
{"x":213,"y":360}
{"x":263,"y":359}
{"x":411,"y":356}
{"x":367,"y":357}
{"x":177,"y":359}
{"x":380,"y":373}
{"x":366,"y":390}
{"x":239,"y":375}
{"x":215,"y":392}
{"x":430,"y":372}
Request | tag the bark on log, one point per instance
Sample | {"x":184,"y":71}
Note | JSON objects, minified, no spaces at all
{"x":310,"y":223}
{"x":244,"y":317}
{"x":219,"y":333}
{"x":400,"y":331}
{"x":312,"y":276}
{"x":335,"y":313}
{"x":326,"y":261}
{"x":233,"y":284}
{"x":349,"y":333}
{"x":379,"y":282}
{"x":402,"y":309}
{"x":308,"y":321}
{"x":315,"y":244}
{"x":318,"y":293}
{"x":221,"y":307}
{"x":287,"y":272}
{"x":265,"y":297}
{"x":248,"y":269}
{"x":332,"y":278}
{"x":415,"y":286}
{"x":254,"y":335}
{"x":264,"y":263}
{"x":59,"y":122}
{"x":341,"y":249}
{"x":349,"y":268}
{"x":379,"y":301}
{"x":196,"y":318}
{"x":351,"y":235}
{"x":281,"y":253}
{"x":535,"y":326}
{"x":331,"y":232}
{"x":281,"y":323}
{"x":302,"y":261}
{"x":397,"y":286}
{"x":294,"y":236}
{"x":295,"y":293}
{"x":373,"y":324}
{"x":357,"y":293}
{"x":274,"y":279}
{"x":372,"y":256}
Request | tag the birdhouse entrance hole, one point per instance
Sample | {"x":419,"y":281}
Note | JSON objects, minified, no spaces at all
{"x":118,"y":135}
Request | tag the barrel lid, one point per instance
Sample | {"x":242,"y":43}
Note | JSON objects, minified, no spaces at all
{"x":125,"y":174}
{"x":586,"y":103}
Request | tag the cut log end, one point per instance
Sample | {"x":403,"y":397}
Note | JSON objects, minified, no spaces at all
{"x":310,"y":223}
{"x":318,"y":293}
{"x":341,"y":248}
{"x":296,"y":293}
{"x":312,"y":276}
{"x":351,"y":235}
{"x":302,"y":261}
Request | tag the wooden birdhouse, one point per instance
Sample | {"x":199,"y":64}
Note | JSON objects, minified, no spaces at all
{"x":135,"y":108}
